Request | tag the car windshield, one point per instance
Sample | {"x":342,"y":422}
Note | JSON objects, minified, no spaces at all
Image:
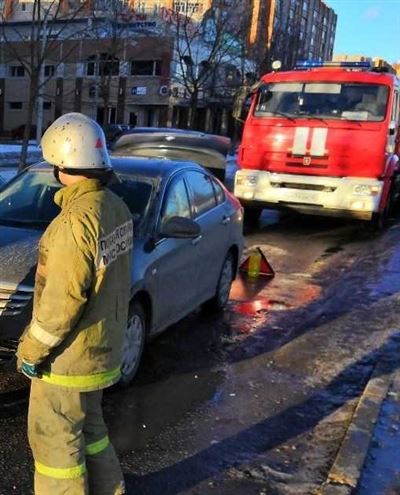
{"x":329,"y":100}
{"x":28,"y":199}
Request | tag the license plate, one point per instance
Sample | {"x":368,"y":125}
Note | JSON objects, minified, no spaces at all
{"x":301,"y":196}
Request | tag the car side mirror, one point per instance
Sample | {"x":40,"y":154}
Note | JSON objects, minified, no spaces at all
{"x":180,"y":228}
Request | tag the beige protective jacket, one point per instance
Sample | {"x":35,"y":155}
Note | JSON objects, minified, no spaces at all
{"x":82,"y":290}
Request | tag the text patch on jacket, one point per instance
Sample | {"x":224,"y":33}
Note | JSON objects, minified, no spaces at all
{"x":119,"y":242}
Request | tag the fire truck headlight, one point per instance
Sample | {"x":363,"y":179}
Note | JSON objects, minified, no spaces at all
{"x":246,"y":180}
{"x":366,"y":190}
{"x":390,"y":148}
{"x":357,"y":205}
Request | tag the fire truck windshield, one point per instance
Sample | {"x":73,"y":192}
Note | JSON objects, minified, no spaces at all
{"x":327,"y":100}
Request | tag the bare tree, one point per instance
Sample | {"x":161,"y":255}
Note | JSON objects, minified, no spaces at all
{"x":32,"y":47}
{"x":207,"y":51}
{"x":111,"y":31}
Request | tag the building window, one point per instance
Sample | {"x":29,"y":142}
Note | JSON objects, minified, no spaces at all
{"x":17,"y":71}
{"x":15,"y":105}
{"x":49,"y":70}
{"x":92,"y":91}
{"x":146,"y":68}
{"x":132,"y":119}
{"x":91,"y":67}
{"x":47,"y":105}
{"x":102,"y":65}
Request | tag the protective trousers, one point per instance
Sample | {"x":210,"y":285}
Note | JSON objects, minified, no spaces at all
{"x":69,"y":442}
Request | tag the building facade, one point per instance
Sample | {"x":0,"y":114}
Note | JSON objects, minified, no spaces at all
{"x":115,"y":72}
{"x":118,"y":60}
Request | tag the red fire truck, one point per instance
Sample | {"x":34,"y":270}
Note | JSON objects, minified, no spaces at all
{"x":323,"y":138}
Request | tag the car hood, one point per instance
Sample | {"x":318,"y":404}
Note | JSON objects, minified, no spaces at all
{"x":18,"y":255}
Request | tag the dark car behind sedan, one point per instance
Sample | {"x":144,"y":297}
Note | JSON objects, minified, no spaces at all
{"x":209,"y":150}
{"x":187,"y":245}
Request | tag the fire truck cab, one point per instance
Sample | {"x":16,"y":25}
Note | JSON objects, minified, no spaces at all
{"x":323,"y":139}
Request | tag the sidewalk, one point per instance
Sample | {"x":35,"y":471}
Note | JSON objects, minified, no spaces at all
{"x":381,"y":472}
{"x":368,"y":461}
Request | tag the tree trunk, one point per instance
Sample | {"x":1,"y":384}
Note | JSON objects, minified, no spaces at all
{"x":106,"y":87}
{"x":27,"y":131}
{"x":193,"y":109}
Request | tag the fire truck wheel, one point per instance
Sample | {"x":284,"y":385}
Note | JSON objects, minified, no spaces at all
{"x":252,"y":215}
{"x":380,"y":220}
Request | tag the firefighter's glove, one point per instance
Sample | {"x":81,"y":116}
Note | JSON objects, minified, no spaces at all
{"x":30,"y":370}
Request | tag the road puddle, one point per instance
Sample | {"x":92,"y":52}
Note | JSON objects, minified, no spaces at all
{"x":246,"y":288}
{"x":259,"y":305}
{"x":252,"y":296}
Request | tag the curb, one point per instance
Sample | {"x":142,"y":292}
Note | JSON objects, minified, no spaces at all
{"x":347,"y":467}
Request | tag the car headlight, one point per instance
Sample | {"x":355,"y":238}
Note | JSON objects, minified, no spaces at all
{"x":366,"y":190}
{"x":246,"y":180}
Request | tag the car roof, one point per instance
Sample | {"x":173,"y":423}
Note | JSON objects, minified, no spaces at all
{"x":173,"y":130}
{"x":156,"y":168}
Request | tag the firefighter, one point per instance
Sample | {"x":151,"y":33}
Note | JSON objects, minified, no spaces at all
{"x":72,"y":349}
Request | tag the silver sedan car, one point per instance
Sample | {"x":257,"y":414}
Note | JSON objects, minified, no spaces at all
{"x":187,"y":246}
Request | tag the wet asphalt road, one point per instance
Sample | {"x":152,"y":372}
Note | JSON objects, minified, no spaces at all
{"x":258,"y":399}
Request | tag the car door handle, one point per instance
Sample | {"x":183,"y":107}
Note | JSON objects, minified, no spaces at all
{"x":226,"y":220}
{"x":197,"y":240}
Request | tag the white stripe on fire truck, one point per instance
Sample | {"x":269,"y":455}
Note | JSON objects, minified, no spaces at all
{"x":318,"y":142}
{"x":300,"y":140}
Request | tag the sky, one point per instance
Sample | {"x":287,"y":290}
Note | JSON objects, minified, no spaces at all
{"x":368,"y":27}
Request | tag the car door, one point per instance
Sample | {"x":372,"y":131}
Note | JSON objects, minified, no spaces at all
{"x":210,"y":212}
{"x":175,"y":268}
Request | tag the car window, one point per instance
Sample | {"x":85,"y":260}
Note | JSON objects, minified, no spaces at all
{"x":29,"y":199}
{"x":219,"y":192}
{"x":203,"y":196}
{"x":136,"y":193}
{"x":176,"y":201}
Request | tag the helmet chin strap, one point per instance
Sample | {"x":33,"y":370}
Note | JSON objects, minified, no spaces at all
{"x":56,"y":173}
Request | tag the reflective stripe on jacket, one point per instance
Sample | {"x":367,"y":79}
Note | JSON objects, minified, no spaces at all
{"x":82,"y":290}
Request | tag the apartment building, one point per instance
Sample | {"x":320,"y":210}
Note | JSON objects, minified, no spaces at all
{"x":140,"y":74}
{"x":131,"y":84}
{"x":122,"y":79}
{"x":291,"y":30}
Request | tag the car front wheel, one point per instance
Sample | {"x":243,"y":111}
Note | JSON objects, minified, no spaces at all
{"x":133,"y":343}
{"x":219,"y":301}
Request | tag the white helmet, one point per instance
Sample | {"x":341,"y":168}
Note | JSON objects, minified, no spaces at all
{"x":75,"y":141}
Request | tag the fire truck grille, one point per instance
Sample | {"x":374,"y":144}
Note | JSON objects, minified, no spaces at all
{"x":307,"y":187}
{"x":14,"y":298}
{"x":301,"y":164}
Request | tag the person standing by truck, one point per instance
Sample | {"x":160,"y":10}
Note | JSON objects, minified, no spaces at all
{"x":72,"y":348}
